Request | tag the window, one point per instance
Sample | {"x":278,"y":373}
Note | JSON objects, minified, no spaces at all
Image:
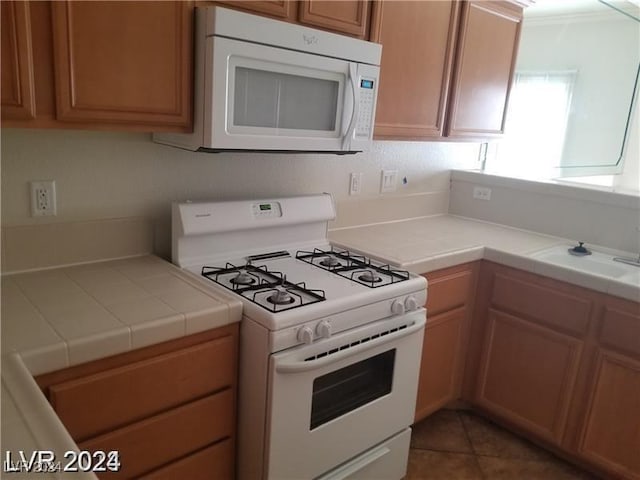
{"x":536,"y":125}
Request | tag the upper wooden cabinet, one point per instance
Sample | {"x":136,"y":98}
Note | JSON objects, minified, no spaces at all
{"x":487,"y":49}
{"x":446,"y":67}
{"x":281,"y":9}
{"x":348,"y":17}
{"x":418,"y":40}
{"x":123,"y":62}
{"x":18,"y":93}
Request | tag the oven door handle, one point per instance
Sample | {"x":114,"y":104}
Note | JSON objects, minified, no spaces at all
{"x":298,"y":366}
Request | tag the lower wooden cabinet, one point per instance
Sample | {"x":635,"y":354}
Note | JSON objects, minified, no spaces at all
{"x":611,"y":431}
{"x":169,"y":409}
{"x":560,"y":364}
{"x":449,"y":301}
{"x":528,"y":373}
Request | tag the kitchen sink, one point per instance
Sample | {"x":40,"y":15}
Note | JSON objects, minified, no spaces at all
{"x":598,"y":263}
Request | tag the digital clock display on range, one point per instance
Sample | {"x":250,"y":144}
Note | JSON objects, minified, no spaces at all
{"x":265,"y":206}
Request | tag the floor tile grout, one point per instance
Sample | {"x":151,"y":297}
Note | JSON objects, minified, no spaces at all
{"x":475,"y":454}
{"x":445,"y":457}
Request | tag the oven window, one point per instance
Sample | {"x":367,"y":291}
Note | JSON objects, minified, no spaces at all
{"x":344,"y":390}
{"x":280,"y":100}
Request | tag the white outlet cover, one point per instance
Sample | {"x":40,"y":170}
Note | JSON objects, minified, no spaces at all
{"x":43,"y":198}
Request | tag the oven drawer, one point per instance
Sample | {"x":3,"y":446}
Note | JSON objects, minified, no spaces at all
{"x":192,"y":373}
{"x":387,"y":460}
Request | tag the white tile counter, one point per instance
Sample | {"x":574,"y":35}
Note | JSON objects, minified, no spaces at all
{"x":53,"y":319}
{"x":430,"y":243}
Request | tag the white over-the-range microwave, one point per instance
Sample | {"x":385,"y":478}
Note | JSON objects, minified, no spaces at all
{"x":267,"y":85}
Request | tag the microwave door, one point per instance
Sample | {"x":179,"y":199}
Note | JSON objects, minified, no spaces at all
{"x":268,"y":98}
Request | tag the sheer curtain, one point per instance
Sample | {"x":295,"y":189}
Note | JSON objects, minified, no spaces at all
{"x":536,"y":124}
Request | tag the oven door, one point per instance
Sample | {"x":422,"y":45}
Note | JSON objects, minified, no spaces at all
{"x":335,"y":399}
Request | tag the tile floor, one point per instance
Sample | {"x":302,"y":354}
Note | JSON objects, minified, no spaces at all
{"x":460,"y":445}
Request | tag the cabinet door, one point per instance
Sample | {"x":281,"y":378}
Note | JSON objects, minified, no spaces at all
{"x":485,"y":59}
{"x":18,"y":95}
{"x":350,"y":17}
{"x":123,"y":62}
{"x":449,"y":302}
{"x":417,"y":52}
{"x":611,"y":433}
{"x":527,"y":374}
{"x":441,"y":359}
{"x":282,"y":9}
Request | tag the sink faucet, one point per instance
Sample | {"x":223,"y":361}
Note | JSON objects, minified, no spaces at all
{"x":629,"y":260}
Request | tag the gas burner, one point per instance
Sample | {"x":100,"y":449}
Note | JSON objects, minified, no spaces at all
{"x":280,"y":297}
{"x":268,"y":288}
{"x":243,"y":278}
{"x":369,"y":276}
{"x":355,"y":267}
{"x":330,"y":262}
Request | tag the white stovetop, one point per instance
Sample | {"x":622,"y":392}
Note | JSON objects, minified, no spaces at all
{"x":341,"y":293}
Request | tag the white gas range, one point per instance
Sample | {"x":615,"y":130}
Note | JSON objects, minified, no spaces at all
{"x":330,"y":341}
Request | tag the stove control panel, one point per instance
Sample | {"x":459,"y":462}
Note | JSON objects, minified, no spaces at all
{"x":266,"y":210}
{"x":410,"y":303}
{"x":323,"y":329}
{"x":305,"y":335}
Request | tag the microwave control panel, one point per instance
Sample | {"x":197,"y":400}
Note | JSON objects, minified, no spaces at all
{"x":365,"y":112}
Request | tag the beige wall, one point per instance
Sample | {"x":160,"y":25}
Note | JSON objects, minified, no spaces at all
{"x":102,"y":175}
{"x":597,"y":217}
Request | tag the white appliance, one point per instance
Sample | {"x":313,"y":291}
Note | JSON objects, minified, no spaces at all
{"x":330,"y":340}
{"x":267,"y":85}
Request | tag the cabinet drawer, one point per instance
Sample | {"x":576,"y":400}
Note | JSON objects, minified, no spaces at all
{"x":215,"y":461}
{"x":101,"y":402}
{"x":621,"y":330}
{"x":155,"y":441}
{"x":448,"y":291}
{"x":548,"y":306}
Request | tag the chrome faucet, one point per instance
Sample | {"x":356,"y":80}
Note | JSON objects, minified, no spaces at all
{"x":630,"y":260}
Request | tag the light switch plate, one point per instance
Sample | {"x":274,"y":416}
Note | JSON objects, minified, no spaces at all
{"x":388,"y":181}
{"x":355,"y":184}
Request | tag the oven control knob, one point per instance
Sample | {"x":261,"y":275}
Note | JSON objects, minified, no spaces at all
{"x":323,"y":329}
{"x":305,"y":335}
{"x":397,"y":307}
{"x":410,"y":303}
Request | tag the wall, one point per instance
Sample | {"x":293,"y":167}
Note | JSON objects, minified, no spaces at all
{"x":597,"y":217}
{"x":102,"y":175}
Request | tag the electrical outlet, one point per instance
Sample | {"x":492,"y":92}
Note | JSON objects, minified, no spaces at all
{"x":482,"y":193}
{"x":355,"y":184}
{"x":388,"y":181}
{"x":43,"y":198}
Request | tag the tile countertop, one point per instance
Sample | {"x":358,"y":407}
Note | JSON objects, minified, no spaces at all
{"x":426,"y":244}
{"x":53,"y":319}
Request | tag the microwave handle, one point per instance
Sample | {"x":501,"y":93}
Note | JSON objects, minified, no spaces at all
{"x":353,"y":78}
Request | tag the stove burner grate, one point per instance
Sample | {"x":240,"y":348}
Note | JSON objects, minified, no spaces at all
{"x":267,"y":288}
{"x":355,"y":267}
